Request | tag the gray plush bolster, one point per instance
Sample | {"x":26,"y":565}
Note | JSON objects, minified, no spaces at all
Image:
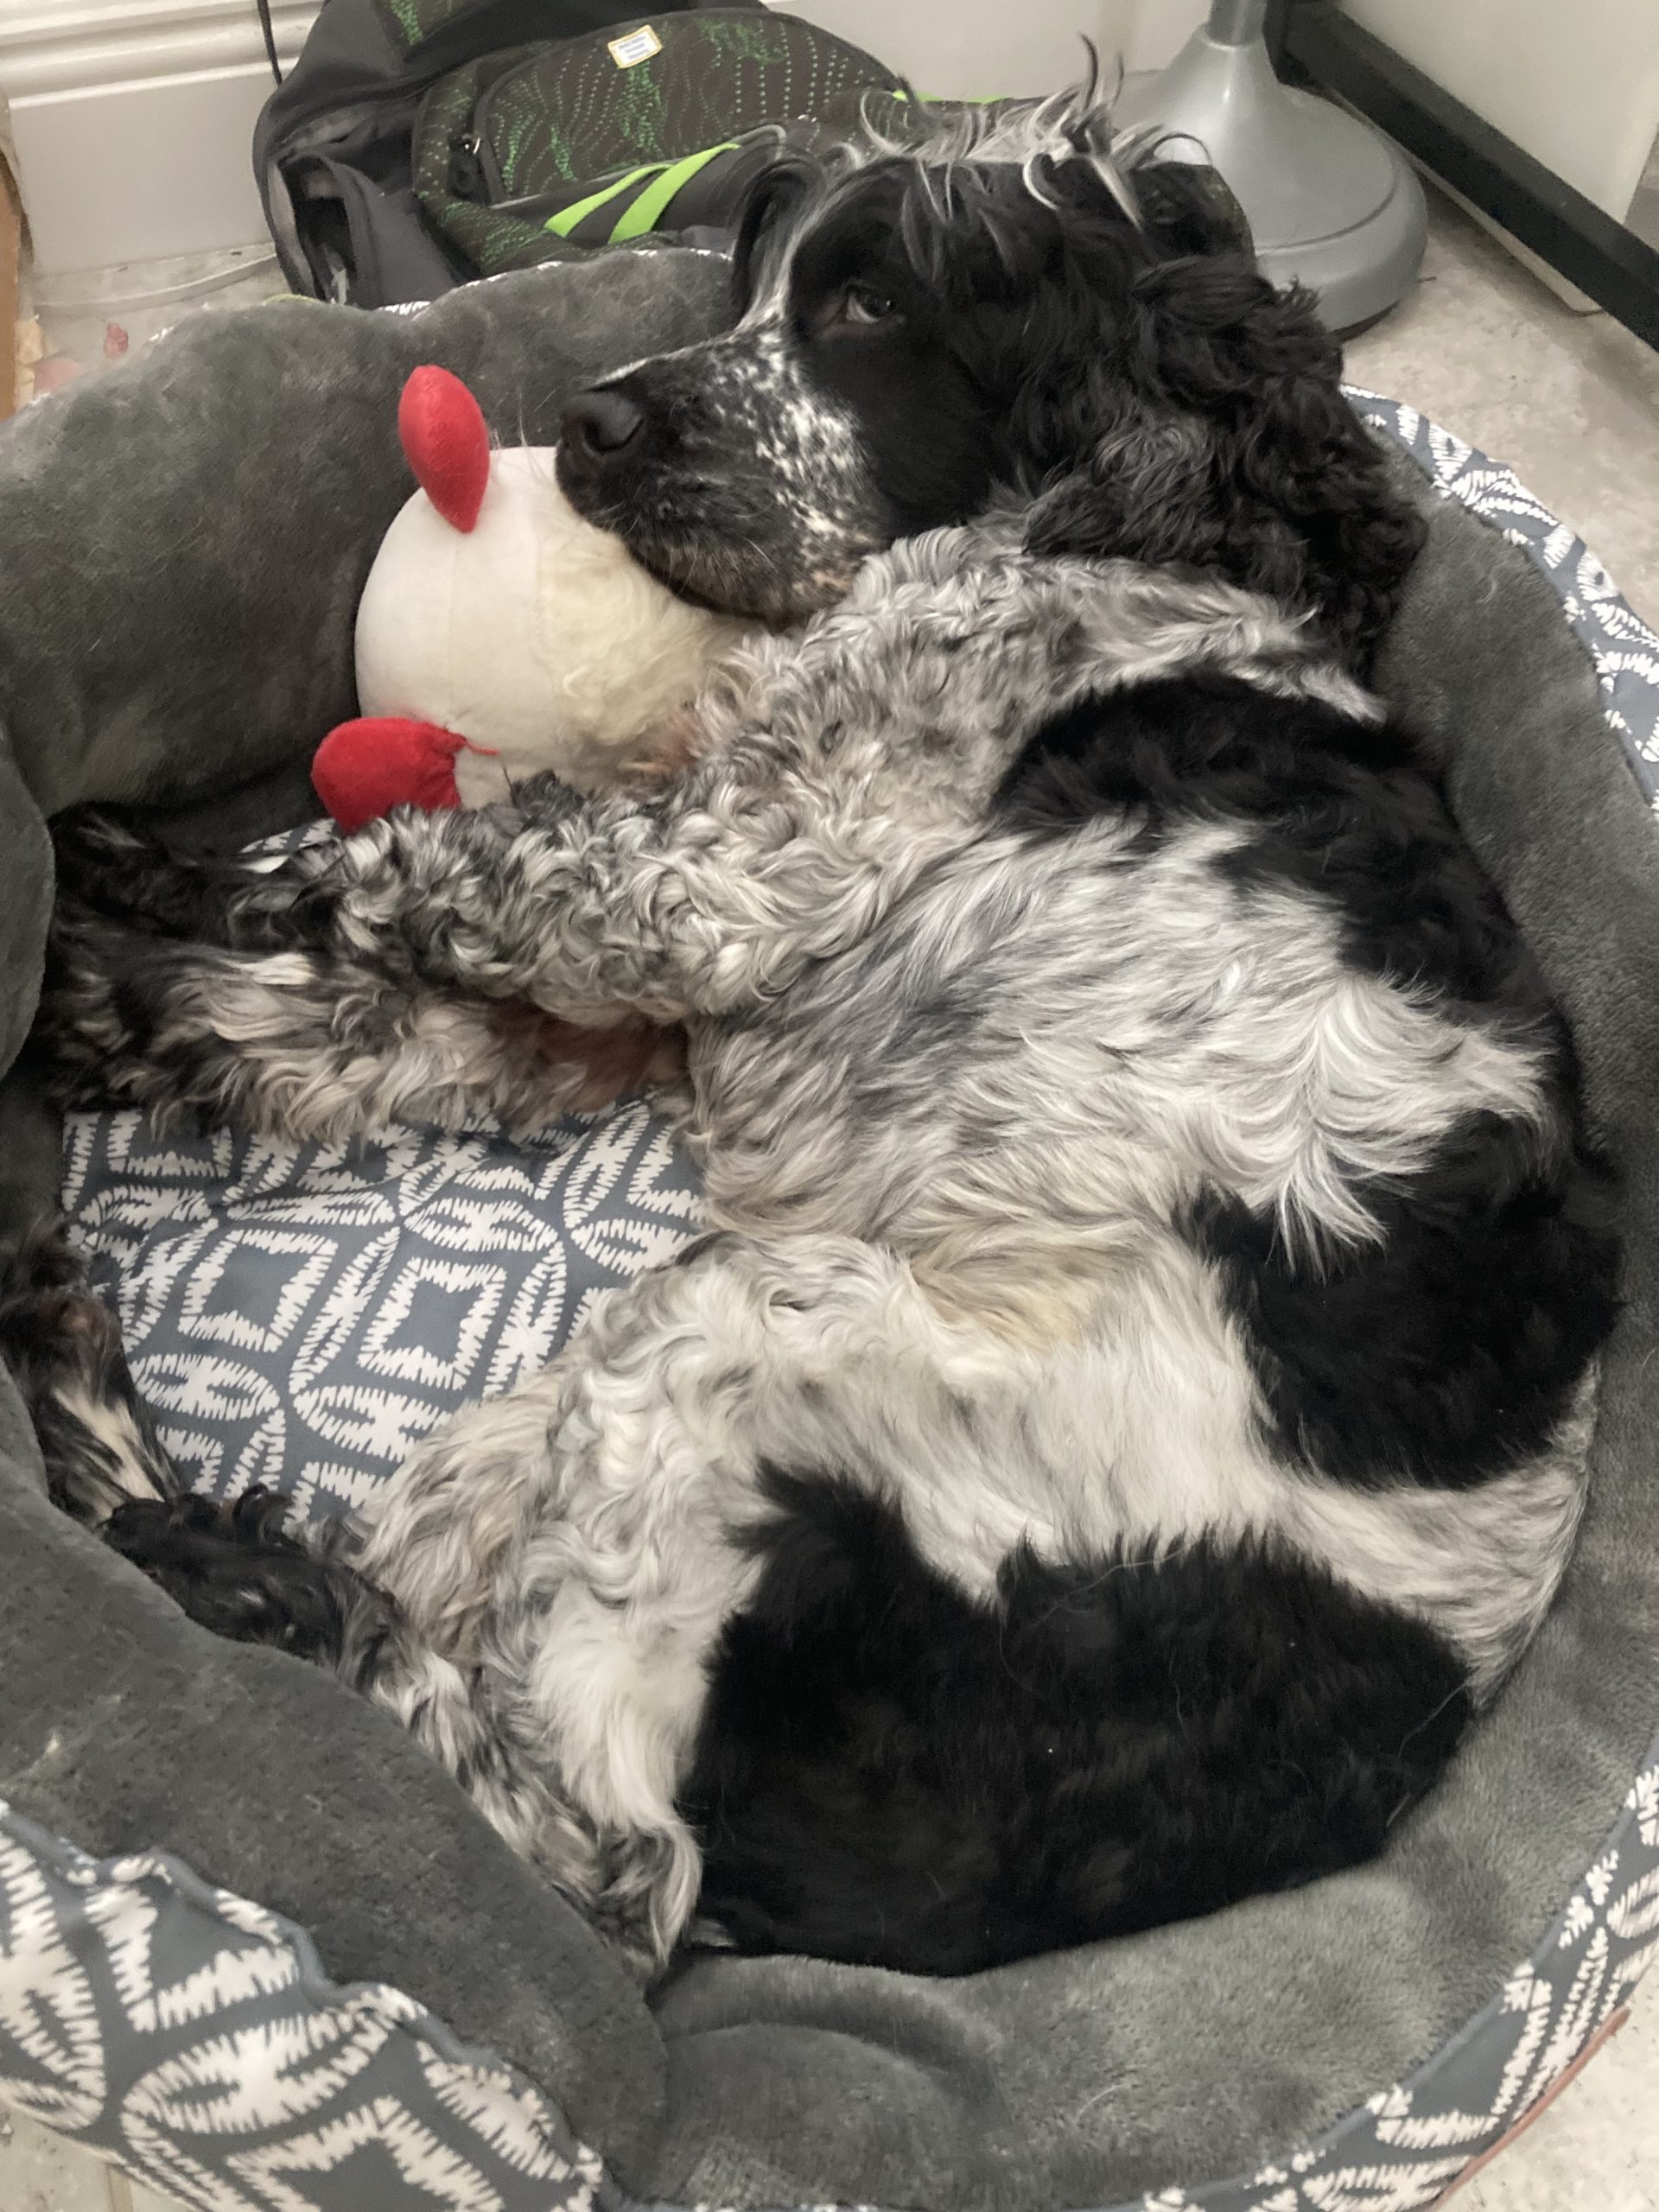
{"x":182,"y":544}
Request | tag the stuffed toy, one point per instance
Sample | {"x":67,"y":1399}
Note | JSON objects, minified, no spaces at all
{"x":500,"y":635}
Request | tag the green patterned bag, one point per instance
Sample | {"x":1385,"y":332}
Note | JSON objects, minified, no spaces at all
{"x":420,"y":142}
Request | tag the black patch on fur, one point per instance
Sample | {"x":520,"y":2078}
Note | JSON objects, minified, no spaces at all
{"x":133,"y":975}
{"x":1447,"y":1353}
{"x":1138,"y":387}
{"x":106,"y":862}
{"x":110,"y":868}
{"x":234,"y":1570}
{"x":1144,"y":383}
{"x":1343,"y":811}
{"x":930,"y":425}
{"x":891,"y":1775}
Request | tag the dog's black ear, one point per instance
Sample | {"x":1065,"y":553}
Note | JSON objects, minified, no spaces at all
{"x":1188,"y":208}
{"x":772,"y":199}
{"x":1222,"y":439}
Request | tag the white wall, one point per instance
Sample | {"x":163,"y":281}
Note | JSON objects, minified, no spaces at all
{"x":975,"y":49}
{"x":132,"y":121}
{"x":1158,"y":30}
{"x":1575,"y":82}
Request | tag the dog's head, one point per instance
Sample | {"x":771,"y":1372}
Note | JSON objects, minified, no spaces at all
{"x":1014,"y":313}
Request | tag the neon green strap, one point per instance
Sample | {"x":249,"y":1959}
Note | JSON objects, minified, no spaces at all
{"x":642,"y":214}
{"x":647,"y":210}
{"x":567,"y":218}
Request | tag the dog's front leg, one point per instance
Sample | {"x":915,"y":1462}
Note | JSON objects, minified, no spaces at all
{"x":391,"y":969}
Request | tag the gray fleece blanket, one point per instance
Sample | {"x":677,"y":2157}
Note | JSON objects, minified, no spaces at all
{"x":181,"y":549}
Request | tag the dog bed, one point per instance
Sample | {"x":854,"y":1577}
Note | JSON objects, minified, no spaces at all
{"x":261,"y":1951}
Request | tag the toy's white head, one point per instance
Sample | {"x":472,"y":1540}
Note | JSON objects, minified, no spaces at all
{"x":494,"y":610}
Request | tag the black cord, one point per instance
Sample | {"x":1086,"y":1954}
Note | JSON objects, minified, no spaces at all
{"x":264,"y":7}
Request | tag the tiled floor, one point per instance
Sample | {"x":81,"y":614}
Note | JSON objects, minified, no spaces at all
{"x":1571,"y":401}
{"x":40,"y":2172}
{"x":1571,"y":404}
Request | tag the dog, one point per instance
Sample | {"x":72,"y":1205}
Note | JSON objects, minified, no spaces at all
{"x":1130,"y":1410}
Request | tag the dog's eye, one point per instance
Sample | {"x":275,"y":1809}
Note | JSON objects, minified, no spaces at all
{"x":856,"y":307}
{"x":863,"y":303}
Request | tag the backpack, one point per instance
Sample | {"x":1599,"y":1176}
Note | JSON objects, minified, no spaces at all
{"x":418,"y":145}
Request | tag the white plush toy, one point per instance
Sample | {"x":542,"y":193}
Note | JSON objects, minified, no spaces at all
{"x":500,"y":635}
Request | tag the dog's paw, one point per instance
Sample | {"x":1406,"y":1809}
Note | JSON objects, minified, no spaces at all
{"x":127,"y":1017}
{"x":234,"y":1569}
{"x":43,"y":1260}
{"x":108,"y":865}
{"x":94,"y":1015}
{"x":63,"y":1346}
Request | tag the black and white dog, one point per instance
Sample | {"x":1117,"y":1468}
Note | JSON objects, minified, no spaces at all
{"x":1132,"y":1408}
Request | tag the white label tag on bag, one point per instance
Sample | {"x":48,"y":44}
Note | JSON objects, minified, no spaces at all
{"x":637,"y":46}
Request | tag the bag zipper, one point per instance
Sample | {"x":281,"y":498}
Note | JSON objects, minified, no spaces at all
{"x":468,"y":177}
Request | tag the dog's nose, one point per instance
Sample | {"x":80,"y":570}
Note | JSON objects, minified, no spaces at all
{"x":600,"y":425}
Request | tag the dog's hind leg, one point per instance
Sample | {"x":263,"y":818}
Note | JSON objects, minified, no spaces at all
{"x":544,"y":1588}
{"x":438,"y":1664}
{"x":239,"y":1570}
{"x":236,"y":1569}
{"x":621,"y":1493}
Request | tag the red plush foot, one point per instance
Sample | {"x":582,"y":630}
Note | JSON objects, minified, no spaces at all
{"x":363,"y":769}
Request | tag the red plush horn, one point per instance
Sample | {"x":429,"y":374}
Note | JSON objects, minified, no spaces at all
{"x":443,"y":434}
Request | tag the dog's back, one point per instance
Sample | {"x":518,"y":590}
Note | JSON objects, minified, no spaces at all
{"x":1208,"y":1096}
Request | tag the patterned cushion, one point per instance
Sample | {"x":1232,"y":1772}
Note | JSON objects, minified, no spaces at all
{"x":302,"y":1316}
{"x":196,"y":2036}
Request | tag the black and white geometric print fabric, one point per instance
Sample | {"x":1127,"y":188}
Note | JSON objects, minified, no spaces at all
{"x":1625,"y":650}
{"x":302,"y":1315}
{"x":195,"y":2037}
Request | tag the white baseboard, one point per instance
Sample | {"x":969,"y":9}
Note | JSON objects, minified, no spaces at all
{"x":133,"y":122}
